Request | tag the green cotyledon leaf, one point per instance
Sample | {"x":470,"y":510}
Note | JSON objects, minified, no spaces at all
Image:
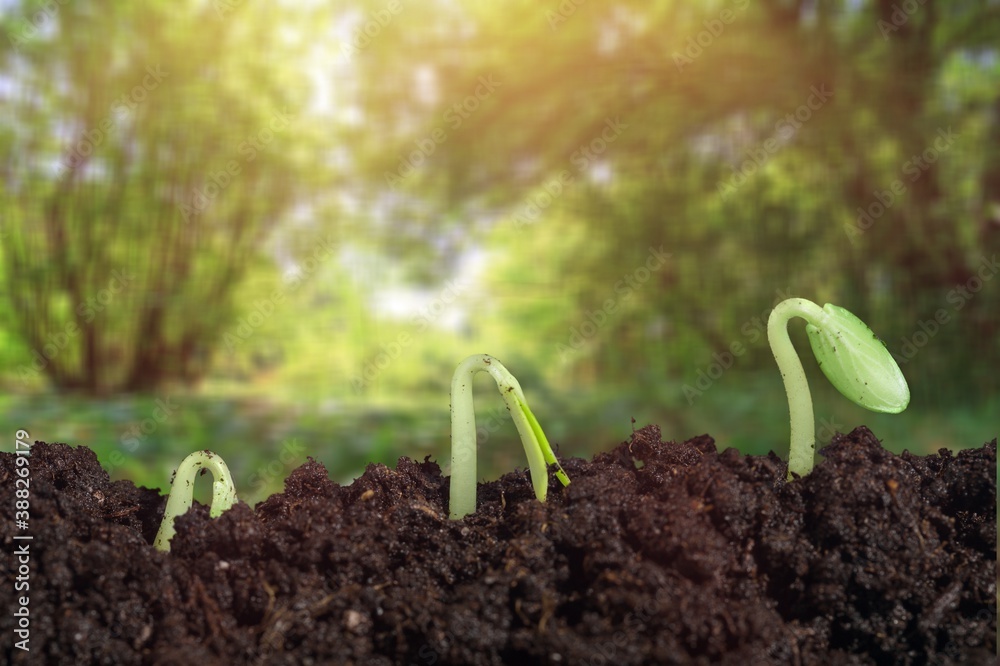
{"x":857,"y":362}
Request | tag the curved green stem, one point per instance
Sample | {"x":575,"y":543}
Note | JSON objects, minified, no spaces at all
{"x":802,"y":448}
{"x":182,"y":492}
{"x":462,"y":500}
{"x":853,"y":358}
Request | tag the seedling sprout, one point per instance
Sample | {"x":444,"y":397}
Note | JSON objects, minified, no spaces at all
{"x":463,"y":434}
{"x":182,"y":492}
{"x":855,"y":361}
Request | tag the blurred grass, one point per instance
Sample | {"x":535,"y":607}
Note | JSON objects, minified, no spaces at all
{"x":263,"y":438}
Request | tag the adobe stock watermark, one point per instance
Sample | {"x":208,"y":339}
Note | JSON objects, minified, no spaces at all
{"x":29,"y":27}
{"x":390,"y":351}
{"x":486,"y":428}
{"x":952,"y":653}
{"x":86,"y":312}
{"x":264,"y":308}
{"x":493,"y":422}
{"x":218,"y":180}
{"x":784,"y":131}
{"x":901,"y":13}
{"x":290,"y":455}
{"x":752,"y":330}
{"x":224,"y":8}
{"x":370,"y":28}
{"x":636,"y":621}
{"x":714,"y":27}
{"x":595,"y":320}
{"x":426,"y":146}
{"x":912,"y":168}
{"x":957,"y":298}
{"x":827,"y":428}
{"x":565,"y":10}
{"x":90,"y":140}
{"x":164,"y":410}
{"x":582,"y":158}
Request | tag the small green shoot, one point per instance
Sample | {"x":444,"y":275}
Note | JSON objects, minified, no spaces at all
{"x":855,"y":361}
{"x":182,"y":492}
{"x":463,"y":434}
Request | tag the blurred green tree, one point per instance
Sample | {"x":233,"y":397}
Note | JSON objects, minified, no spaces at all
{"x":745,"y":138}
{"x":147,"y":150}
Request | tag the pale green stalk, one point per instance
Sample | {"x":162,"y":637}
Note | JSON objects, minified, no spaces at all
{"x":802,"y":450}
{"x":463,"y":434}
{"x":182,"y":492}
{"x":852,"y":357}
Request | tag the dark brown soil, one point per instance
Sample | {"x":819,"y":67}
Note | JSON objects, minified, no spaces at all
{"x":657,"y":553}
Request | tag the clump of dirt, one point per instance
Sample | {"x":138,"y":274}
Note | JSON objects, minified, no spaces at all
{"x":656,"y":553}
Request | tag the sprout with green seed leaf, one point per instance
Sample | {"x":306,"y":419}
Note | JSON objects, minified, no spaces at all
{"x":463,"y":434}
{"x":855,"y":361}
{"x":182,"y":492}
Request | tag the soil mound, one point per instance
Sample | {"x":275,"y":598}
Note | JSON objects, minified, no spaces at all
{"x":656,"y":553}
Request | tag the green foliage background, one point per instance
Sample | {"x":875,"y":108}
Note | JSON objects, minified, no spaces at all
{"x":326,"y":206}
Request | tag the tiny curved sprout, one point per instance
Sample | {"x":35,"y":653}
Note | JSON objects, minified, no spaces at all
{"x":462,"y":500}
{"x":182,"y":492}
{"x":855,"y":361}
